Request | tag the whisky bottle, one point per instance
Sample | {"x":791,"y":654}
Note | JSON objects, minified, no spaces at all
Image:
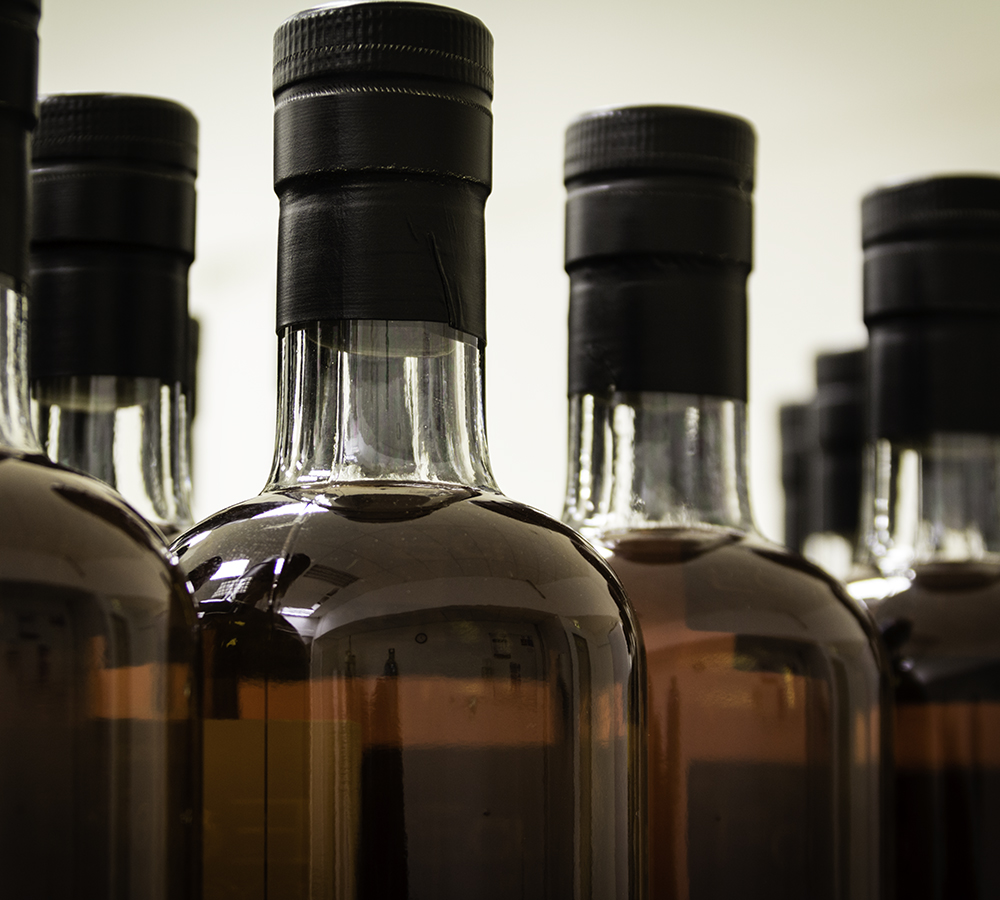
{"x":834,"y":497}
{"x":112,"y":240}
{"x":763,"y":682}
{"x":97,"y":724}
{"x":414,"y":686}
{"x":932,"y":519}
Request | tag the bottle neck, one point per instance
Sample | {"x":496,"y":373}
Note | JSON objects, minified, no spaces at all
{"x":933,"y":501}
{"x":378,"y":400}
{"x":16,"y":430}
{"x":131,"y":433}
{"x":656,"y":460}
{"x":835,"y":479}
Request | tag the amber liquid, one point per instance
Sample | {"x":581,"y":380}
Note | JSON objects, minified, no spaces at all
{"x":97,"y":728}
{"x":764,"y":732}
{"x":943,"y":635}
{"x":411,"y":692}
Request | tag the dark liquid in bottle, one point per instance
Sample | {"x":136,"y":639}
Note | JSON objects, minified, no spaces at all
{"x":410,"y":691}
{"x":96,"y":725}
{"x":943,"y":635}
{"x":764,"y":733}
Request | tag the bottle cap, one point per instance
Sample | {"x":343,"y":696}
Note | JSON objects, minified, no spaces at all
{"x":383,"y":134}
{"x":659,"y":221}
{"x":793,"y":419}
{"x":115,"y":168}
{"x":838,"y":426}
{"x":843,"y":367}
{"x":840,"y":395}
{"x":932,"y":305}
{"x":113,"y":236}
{"x":18,"y":109}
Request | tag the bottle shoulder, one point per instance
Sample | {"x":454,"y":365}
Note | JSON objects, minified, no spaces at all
{"x":297,"y":548}
{"x":63,"y":528}
{"x":726,"y":580}
{"x":941,"y":627}
{"x":945,"y":607}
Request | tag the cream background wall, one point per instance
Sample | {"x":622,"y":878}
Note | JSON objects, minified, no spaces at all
{"x":844,"y":96}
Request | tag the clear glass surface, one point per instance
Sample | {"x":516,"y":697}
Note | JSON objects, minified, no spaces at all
{"x":765,"y":739}
{"x":674,"y":459}
{"x":131,"y":433}
{"x":16,"y":430}
{"x":414,"y":687}
{"x":365,"y":399}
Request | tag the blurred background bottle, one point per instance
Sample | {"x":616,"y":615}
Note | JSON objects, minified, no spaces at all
{"x":112,"y":241}
{"x":796,"y":451}
{"x":764,"y":686}
{"x":932,"y":518}
{"x":836,"y":429}
{"x":97,"y":724}
{"x":413,"y":685}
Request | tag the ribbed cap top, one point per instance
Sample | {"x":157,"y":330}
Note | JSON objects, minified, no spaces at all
{"x":669,"y":140}
{"x":941,"y":207}
{"x":116,"y":126}
{"x":391,"y":38}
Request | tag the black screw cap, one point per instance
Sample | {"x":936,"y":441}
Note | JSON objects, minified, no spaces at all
{"x":659,"y":243}
{"x":843,"y":367}
{"x":383,"y":139}
{"x":113,"y":236}
{"x":838,"y":414}
{"x":115,"y":168}
{"x":932,"y":305}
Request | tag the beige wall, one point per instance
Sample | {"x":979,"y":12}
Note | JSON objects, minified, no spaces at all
{"x":844,"y":96}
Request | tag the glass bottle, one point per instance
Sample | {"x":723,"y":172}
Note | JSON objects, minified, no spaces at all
{"x":837,"y":425}
{"x":97,"y":725}
{"x":414,"y":687}
{"x":764,"y":687}
{"x":112,"y":240}
{"x":931,"y":519}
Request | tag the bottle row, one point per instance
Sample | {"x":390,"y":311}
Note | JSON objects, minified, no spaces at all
{"x":383,"y":678}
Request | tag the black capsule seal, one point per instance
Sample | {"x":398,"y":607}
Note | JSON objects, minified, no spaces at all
{"x":18,"y":112}
{"x":658,"y":250}
{"x":382,"y":164}
{"x":932,"y":306}
{"x":113,"y":236}
{"x":658,"y":324}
